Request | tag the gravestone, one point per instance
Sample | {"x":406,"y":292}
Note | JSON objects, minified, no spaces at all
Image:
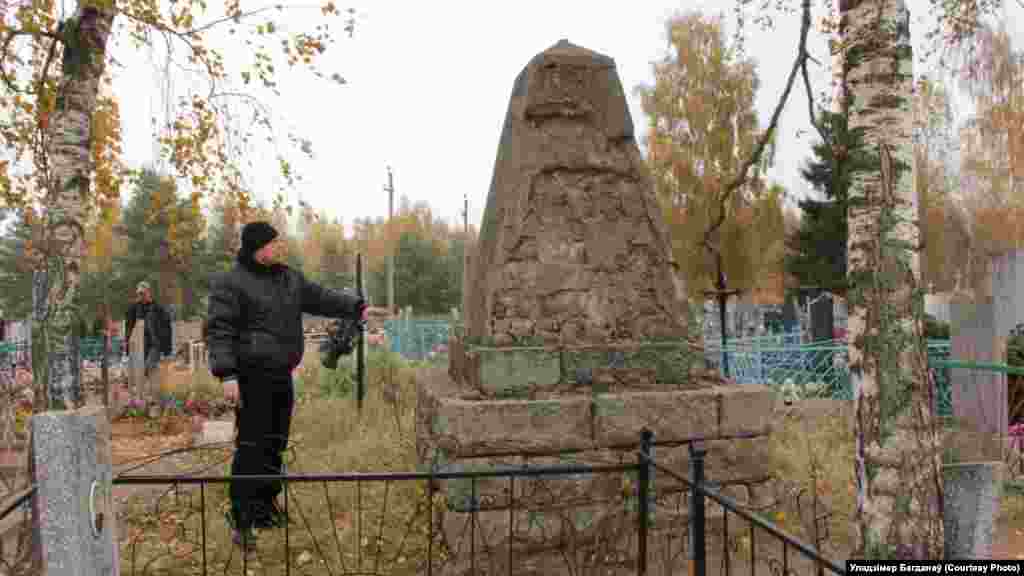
{"x":978,"y":396}
{"x":790,"y":316}
{"x":980,"y":324}
{"x":822,"y":318}
{"x":574,"y":339}
{"x":73,"y":478}
{"x":972,"y":493}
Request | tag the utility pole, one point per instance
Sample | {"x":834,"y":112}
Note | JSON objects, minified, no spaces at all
{"x":391,"y":254}
{"x":465,"y":241}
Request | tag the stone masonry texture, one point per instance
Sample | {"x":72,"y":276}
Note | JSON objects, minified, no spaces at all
{"x":572,"y":246}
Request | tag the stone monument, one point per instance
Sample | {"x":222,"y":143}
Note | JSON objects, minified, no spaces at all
{"x":575,"y":339}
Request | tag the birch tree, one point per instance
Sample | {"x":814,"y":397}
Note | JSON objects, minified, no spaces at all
{"x":897,"y":453}
{"x":897,"y":457}
{"x":51,"y":74}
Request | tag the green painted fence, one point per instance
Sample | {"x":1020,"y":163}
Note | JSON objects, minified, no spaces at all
{"x":818,"y":369}
{"x":20,"y":351}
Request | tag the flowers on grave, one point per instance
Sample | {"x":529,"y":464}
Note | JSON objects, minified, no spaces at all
{"x":136,"y":408}
{"x":789,"y":391}
{"x":792,"y":392}
{"x":22,"y":413}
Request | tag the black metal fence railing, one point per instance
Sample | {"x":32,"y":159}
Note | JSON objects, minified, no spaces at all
{"x":551,"y":517}
{"x":803,"y":560}
{"x":566,"y":518}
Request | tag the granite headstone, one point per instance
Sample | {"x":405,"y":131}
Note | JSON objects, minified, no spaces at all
{"x":73,"y":477}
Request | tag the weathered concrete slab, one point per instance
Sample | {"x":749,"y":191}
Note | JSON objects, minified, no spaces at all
{"x":467,"y":428}
{"x":745,"y":409}
{"x":513,"y":373}
{"x":672,"y":415}
{"x":479,"y":428}
{"x":739,"y":462}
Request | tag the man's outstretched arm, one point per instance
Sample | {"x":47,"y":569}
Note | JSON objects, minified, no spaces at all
{"x":320,"y":301}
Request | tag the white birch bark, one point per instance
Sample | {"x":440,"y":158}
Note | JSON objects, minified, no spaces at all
{"x":896,"y":454}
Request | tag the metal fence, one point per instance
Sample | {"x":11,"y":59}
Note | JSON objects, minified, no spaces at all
{"x":492,"y":521}
{"x":19,"y":352}
{"x":20,"y":499}
{"x":418,"y":339}
{"x":817,"y":370}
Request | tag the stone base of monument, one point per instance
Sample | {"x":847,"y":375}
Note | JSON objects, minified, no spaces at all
{"x":585,"y":542}
{"x":576,"y":523}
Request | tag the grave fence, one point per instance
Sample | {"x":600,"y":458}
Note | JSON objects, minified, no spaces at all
{"x":664,"y":523}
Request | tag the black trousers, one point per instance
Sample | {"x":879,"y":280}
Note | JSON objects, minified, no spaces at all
{"x":263,"y":420}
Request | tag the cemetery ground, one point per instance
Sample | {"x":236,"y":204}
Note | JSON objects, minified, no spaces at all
{"x":159,"y":527}
{"x":811,"y":449}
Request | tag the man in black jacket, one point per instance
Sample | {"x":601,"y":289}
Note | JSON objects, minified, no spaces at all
{"x":157,"y":339}
{"x":255,"y":341}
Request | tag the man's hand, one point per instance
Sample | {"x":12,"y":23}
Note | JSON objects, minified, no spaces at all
{"x":231,"y":390}
{"x":375,"y":311}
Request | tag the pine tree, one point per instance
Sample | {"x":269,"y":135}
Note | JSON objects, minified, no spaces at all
{"x":16,"y":268}
{"x":164,"y":247}
{"x":816,"y":252}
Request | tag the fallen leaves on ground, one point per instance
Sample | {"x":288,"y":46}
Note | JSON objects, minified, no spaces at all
{"x":134,"y":440}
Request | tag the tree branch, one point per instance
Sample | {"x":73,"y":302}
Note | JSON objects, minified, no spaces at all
{"x":762,"y":142}
{"x":234,"y":17}
{"x":10,"y":36}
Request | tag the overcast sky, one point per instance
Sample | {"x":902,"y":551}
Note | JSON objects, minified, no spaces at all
{"x":428,"y":85}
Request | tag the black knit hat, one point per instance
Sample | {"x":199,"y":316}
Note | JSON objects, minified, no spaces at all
{"x":256,"y":235}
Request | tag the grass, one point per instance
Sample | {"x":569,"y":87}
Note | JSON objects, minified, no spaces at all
{"x":372,"y":525}
{"x":812,"y":448}
{"x":816,"y":440}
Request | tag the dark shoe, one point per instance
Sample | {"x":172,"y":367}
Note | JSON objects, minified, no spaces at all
{"x":239,"y":535}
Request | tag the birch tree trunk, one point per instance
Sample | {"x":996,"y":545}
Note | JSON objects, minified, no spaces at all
{"x":897,"y":456}
{"x":67,"y":168}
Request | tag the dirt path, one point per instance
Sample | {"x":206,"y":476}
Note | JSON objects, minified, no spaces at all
{"x":135,"y":448}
